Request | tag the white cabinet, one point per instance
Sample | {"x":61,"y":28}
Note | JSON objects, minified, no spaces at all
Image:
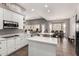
{"x":23,"y":41}
{"x":7,"y":15}
{"x":3,"y":48}
{"x":20,"y":20}
{"x":12,"y":16}
{"x":37,"y":48}
{"x":1,"y":13}
{"x":11,"y":45}
{"x":15,"y":17}
{"x":1,"y":24}
{"x":1,"y":18}
{"x":18,"y":43}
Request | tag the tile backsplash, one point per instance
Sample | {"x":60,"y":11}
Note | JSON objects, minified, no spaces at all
{"x":10,"y":31}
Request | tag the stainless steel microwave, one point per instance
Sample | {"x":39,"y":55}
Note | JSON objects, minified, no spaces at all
{"x":10,"y":24}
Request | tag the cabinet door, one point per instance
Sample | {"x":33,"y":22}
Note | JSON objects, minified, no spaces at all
{"x":15,"y":17}
{"x":3,"y":53}
{"x":20,"y":20}
{"x":1,"y":18}
{"x":1,"y":13}
{"x":23,"y":41}
{"x":1,"y":24}
{"x":7,"y":15}
{"x":10,"y":45}
{"x":3,"y":48}
{"x":18,"y":43}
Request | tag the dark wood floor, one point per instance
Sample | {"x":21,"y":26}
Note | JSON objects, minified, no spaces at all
{"x":64,"y":48}
{"x":22,"y":52}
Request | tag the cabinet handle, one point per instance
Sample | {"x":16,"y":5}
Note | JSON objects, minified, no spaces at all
{"x":0,"y":47}
{"x":0,"y":54}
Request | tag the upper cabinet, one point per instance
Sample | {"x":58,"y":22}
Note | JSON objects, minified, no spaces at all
{"x":15,"y":17}
{"x":6,"y":14}
{"x":1,"y":13}
{"x":20,"y":20}
{"x":1,"y":18}
{"x":12,"y":16}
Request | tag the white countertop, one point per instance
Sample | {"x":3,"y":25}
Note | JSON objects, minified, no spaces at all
{"x":20,"y":35}
{"x":46,"y":33}
{"x":48,"y":40}
{"x":11,"y":34}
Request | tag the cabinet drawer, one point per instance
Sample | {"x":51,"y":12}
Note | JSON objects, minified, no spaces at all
{"x":3,"y":53}
{"x":18,"y":46}
{"x":10,"y":50}
{"x":10,"y":42}
{"x":18,"y":41}
{"x":2,"y":43}
{"x":2,"y":46}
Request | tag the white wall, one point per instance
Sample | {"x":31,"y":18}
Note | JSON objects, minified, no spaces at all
{"x":72,"y":27}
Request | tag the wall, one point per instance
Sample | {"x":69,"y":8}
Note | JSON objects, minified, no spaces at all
{"x":39,"y":21}
{"x":72,"y":27}
{"x":66,"y":21}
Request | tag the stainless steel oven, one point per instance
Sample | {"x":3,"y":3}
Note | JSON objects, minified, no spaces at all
{"x":10,"y":24}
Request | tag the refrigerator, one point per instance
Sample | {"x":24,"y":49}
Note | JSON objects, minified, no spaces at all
{"x":77,"y":35}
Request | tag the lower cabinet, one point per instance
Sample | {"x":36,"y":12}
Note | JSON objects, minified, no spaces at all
{"x":23,"y":41}
{"x":18,"y":43}
{"x":4,"y":53}
{"x":10,"y":45}
{"x":3,"y":50}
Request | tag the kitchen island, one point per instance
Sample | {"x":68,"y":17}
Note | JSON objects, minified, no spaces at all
{"x":42,"y":46}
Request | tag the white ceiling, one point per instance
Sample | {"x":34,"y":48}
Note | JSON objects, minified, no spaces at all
{"x":57,"y":10}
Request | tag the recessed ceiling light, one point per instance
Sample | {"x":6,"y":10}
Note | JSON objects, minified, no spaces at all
{"x":46,"y":6}
{"x":33,"y":9}
{"x":48,"y":10}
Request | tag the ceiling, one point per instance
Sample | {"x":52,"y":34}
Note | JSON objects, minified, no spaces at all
{"x":56,"y":10}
